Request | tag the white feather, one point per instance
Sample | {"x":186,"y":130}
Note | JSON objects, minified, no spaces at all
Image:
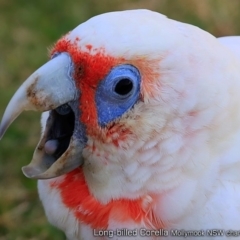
{"x":233,"y":43}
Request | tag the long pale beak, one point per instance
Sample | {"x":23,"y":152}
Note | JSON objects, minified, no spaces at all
{"x":46,"y":89}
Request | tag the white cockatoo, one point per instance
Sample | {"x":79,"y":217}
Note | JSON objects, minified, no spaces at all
{"x":141,"y":130}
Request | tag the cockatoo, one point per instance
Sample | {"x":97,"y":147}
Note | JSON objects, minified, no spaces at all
{"x":140,"y":130}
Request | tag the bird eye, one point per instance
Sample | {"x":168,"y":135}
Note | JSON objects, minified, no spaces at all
{"x":123,"y":87}
{"x":63,"y":109}
{"x":117,"y":92}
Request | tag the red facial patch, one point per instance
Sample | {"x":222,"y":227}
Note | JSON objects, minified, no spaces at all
{"x":91,"y":67}
{"x":76,"y":196}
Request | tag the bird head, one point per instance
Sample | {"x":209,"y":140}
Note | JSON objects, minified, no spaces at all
{"x":128,"y":97}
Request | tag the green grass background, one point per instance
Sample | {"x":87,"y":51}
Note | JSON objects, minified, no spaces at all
{"x":27,"y":30}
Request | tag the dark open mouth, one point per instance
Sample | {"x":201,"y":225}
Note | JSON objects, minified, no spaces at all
{"x":59,"y":150}
{"x":60,"y":131}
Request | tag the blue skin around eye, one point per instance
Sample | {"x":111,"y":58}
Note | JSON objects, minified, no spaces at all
{"x":111,"y":105}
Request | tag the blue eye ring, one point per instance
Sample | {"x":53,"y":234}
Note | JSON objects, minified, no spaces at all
{"x":121,"y":83}
{"x":117,"y":93}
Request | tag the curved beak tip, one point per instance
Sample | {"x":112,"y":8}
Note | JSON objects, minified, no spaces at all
{"x":3,"y":129}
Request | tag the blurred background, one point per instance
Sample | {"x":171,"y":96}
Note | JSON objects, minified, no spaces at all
{"x":27,"y":30}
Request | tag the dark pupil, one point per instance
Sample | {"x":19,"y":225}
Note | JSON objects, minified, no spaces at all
{"x":123,"y":87}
